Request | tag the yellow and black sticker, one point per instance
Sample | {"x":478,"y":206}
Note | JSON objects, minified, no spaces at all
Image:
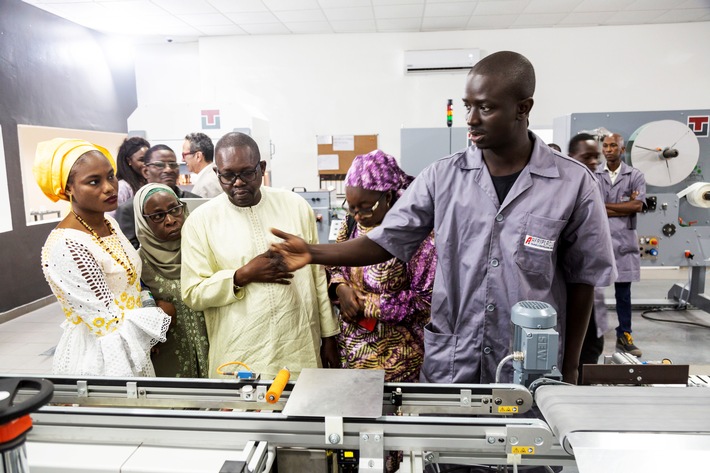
{"x":507,"y":409}
{"x":523,"y":450}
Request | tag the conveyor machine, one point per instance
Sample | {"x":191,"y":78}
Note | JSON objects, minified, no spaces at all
{"x":159,"y":425}
{"x":208,"y":423}
{"x":152,"y":425}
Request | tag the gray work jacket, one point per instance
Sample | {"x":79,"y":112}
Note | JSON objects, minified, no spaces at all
{"x":623,"y":229}
{"x":551,"y":230}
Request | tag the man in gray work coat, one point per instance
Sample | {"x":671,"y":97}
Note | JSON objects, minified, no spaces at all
{"x":584,"y":148}
{"x":624,"y":192}
{"x":513,"y":221}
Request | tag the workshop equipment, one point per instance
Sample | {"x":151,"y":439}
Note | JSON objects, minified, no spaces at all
{"x":15,"y":420}
{"x":152,"y":425}
{"x":320,"y":202}
{"x":277,"y":386}
{"x":672,"y":149}
{"x":537,"y":341}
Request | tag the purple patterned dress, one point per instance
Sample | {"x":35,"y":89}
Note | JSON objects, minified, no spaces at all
{"x":398,"y":296}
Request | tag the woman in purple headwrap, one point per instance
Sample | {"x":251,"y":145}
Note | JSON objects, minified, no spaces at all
{"x":383,"y":307}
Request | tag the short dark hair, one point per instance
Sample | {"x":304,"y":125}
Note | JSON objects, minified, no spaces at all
{"x":236,"y":139}
{"x":125,"y":172}
{"x":512,"y":68}
{"x":576,"y":140}
{"x":203,"y":143}
{"x":149,"y":154}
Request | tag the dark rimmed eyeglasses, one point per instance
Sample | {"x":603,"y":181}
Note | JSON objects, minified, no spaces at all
{"x":229,"y":178}
{"x":158,"y":217}
{"x":163,"y":164}
{"x":185,"y":155}
{"x":364,"y":213}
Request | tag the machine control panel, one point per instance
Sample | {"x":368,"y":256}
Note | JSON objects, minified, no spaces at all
{"x":648,"y":246}
{"x":666,"y":239}
{"x":320,"y":201}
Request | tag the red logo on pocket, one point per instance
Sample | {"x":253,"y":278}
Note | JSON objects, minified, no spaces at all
{"x":539,"y":243}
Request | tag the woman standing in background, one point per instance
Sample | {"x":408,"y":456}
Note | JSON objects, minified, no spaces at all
{"x":383,"y":307}
{"x":92,"y":269}
{"x":159,"y":217}
{"x":130,"y":168}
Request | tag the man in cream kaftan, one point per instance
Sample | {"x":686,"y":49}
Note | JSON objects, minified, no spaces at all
{"x":252,"y":316}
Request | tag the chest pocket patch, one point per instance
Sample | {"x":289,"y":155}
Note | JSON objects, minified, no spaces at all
{"x":538,"y":241}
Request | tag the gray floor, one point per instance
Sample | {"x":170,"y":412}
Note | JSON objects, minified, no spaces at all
{"x":675,"y":338}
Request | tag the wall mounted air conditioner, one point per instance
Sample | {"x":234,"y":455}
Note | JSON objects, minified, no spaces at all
{"x":440,"y":60}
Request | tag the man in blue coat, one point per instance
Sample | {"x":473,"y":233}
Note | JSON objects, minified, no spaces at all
{"x":624,"y":192}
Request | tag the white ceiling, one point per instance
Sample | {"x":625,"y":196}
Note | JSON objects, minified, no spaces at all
{"x":188,"y":19}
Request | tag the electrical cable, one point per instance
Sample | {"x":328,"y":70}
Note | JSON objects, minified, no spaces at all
{"x":681,"y":302}
{"x":219,"y":368}
{"x":678,"y":309}
{"x":499,"y":368}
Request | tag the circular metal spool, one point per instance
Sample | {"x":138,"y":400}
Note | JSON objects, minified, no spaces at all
{"x":665,"y":151}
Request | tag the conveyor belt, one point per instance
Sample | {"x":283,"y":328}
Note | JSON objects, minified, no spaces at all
{"x":700,"y":381}
{"x":674,"y":410}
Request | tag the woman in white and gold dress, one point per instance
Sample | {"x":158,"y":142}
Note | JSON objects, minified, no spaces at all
{"x":92,"y":268}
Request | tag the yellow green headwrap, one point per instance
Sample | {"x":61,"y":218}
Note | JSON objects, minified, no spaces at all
{"x":55,"y":158}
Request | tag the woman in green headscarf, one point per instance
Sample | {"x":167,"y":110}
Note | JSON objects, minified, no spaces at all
{"x":159,"y":217}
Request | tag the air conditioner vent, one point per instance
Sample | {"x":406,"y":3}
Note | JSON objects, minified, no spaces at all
{"x":440,"y":61}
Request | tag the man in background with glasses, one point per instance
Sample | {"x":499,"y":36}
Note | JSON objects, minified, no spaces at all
{"x":198,"y":154}
{"x":160,"y":167}
{"x":256,"y":312}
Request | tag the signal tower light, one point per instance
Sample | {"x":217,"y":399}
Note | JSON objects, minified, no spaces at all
{"x":449,"y":113}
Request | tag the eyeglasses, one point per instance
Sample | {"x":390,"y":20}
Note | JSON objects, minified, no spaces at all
{"x":163,"y":164}
{"x":158,"y":217}
{"x":230,"y":178}
{"x":185,"y":155}
{"x":364,"y":213}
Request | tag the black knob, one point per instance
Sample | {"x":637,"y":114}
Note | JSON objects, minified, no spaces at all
{"x":670,"y":153}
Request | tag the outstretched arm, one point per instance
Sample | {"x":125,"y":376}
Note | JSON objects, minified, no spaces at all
{"x":357,"y":252}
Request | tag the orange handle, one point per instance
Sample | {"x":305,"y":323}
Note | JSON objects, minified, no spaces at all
{"x":277,"y":386}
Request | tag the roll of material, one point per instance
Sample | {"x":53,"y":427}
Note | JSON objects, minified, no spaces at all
{"x":698,"y":195}
{"x":277,"y":386}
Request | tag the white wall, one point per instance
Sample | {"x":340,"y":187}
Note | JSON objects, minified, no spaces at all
{"x":307,"y":85}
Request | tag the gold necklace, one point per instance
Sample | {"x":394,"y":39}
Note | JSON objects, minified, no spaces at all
{"x":127,"y":265}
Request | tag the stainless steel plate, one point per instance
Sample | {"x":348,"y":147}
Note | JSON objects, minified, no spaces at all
{"x":337,"y":393}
